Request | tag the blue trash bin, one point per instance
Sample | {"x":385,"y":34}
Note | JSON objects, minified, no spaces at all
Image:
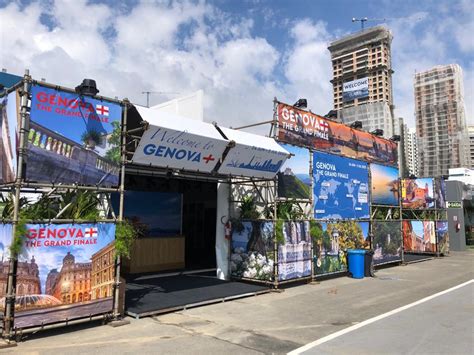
{"x":356,"y":260}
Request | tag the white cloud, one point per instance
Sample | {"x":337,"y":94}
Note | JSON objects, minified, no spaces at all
{"x":184,"y":46}
{"x":308,"y":66}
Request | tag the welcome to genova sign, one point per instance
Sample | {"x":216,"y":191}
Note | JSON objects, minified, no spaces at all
{"x":169,"y":148}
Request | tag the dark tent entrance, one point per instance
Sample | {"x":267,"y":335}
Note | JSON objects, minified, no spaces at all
{"x":175,"y":217}
{"x":173,"y":263}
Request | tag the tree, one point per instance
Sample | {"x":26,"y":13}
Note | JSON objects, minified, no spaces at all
{"x":113,"y":153}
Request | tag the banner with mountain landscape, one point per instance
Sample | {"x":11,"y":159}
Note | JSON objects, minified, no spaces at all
{"x":294,"y":179}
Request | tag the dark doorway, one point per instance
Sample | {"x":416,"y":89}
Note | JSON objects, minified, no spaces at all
{"x":198,"y":215}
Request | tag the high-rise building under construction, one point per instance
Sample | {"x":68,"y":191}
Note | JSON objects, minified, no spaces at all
{"x":362,"y":79}
{"x":440,"y":120}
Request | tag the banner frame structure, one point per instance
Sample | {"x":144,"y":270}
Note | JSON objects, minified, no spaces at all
{"x":21,"y":185}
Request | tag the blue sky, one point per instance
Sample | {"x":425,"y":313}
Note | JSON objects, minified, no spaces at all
{"x":299,"y":162}
{"x":241,"y":53}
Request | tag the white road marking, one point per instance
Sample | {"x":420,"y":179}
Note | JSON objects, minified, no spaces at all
{"x":372,"y":320}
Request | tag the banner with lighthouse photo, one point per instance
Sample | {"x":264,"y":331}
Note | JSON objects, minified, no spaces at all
{"x":73,"y":139}
{"x":65,"y":272}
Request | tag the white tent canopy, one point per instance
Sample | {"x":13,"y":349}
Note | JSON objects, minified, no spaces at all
{"x":253,"y":155}
{"x":176,"y":142}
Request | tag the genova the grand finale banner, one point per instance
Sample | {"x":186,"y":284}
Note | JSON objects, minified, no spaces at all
{"x":307,"y":129}
{"x":65,"y":272}
{"x":73,"y":139}
{"x":341,"y":187}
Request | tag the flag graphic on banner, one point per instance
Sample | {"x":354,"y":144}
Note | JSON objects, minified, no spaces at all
{"x":90,"y":232}
{"x":102,"y":110}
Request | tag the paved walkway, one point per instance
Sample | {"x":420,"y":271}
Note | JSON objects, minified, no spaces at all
{"x":271,"y":323}
{"x":441,"y":325}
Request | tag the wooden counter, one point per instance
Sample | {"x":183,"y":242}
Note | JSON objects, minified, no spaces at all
{"x":156,"y":254}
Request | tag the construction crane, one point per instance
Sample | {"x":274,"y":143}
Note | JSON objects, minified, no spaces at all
{"x":363,"y":20}
{"x":148,"y":93}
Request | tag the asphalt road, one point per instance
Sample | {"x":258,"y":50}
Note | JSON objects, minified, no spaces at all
{"x":282,"y":322}
{"x":441,"y":325}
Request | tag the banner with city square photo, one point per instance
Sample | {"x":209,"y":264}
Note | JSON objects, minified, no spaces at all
{"x":331,"y":244}
{"x":6,"y":233}
{"x":355,"y":89}
{"x":387,"y":241}
{"x":294,"y":179}
{"x":9,"y":123}
{"x":419,"y":236}
{"x":417,"y":194}
{"x":73,"y":139}
{"x":341,"y":187}
{"x":294,"y":249}
{"x":385,"y":185}
{"x":252,"y":250}
{"x":304,"y":128}
{"x":65,"y":272}
{"x":442,"y":237}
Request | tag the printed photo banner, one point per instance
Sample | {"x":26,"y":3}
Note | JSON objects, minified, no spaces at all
{"x":440,"y":193}
{"x":65,"y":272}
{"x":252,"y":250}
{"x":75,"y":268}
{"x":294,"y":255}
{"x":73,"y":139}
{"x":294,"y":179}
{"x":341,"y":187}
{"x":442,"y":236}
{"x":9,"y":123}
{"x":417,"y":193}
{"x":387,"y":243}
{"x":419,"y":236}
{"x":385,"y":185}
{"x":303,"y":128}
{"x":331,"y":245}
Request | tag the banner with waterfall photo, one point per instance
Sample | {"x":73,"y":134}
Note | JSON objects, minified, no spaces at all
{"x":294,"y":249}
{"x":65,"y":272}
{"x":442,"y":237}
{"x":387,"y":242}
{"x":73,"y":139}
{"x":332,"y":241}
{"x":252,"y":250}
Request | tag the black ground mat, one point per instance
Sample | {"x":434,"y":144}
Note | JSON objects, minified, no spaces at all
{"x":148,"y":295}
{"x":414,"y":258}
